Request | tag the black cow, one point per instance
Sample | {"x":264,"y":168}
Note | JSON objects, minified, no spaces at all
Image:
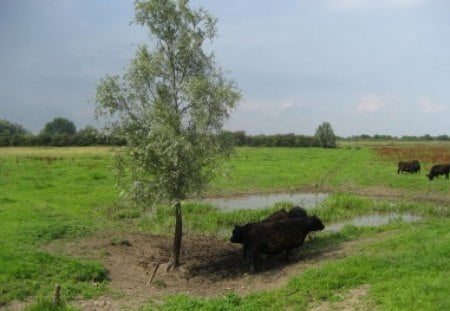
{"x":239,"y":231}
{"x":297,"y":212}
{"x":439,"y":169}
{"x":408,"y":166}
{"x":238,"y":234}
{"x":276,"y":237}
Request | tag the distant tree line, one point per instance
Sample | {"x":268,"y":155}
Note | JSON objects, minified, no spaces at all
{"x":426,"y":137}
{"x":324,"y":137}
{"x":58,"y":132}
{"x":62,"y":132}
{"x":240,"y":138}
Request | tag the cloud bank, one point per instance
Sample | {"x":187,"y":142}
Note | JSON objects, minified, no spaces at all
{"x":369,"y":104}
{"x":345,"y":5}
{"x":426,"y":105}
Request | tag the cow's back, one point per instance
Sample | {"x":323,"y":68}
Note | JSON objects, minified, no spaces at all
{"x":274,"y":237}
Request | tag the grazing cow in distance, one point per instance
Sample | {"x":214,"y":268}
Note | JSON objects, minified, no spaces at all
{"x":439,"y":169}
{"x":408,"y":166}
{"x":276,"y":237}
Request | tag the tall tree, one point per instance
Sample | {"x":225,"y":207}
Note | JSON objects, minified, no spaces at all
{"x":170,"y":104}
{"x":325,"y":135}
{"x":12,"y":133}
{"x":59,"y":126}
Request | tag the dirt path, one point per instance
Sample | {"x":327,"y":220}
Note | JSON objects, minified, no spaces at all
{"x":210,"y":267}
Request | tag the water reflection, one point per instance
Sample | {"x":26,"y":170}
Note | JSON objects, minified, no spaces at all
{"x":306,"y":200}
{"x":373,"y":220}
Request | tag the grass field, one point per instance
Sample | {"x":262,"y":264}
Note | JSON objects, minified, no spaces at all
{"x":351,"y":168}
{"x":61,"y":194}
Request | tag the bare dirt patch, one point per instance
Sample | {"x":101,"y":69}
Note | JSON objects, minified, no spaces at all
{"x":423,"y":153}
{"x":210,"y":267}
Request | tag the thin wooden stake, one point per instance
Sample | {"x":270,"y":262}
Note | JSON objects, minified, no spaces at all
{"x":154,"y":273}
{"x":57,"y":295}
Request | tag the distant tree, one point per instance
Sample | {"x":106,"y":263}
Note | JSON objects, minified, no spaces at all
{"x":305,"y":141}
{"x":443,"y":137}
{"x":9,"y":128}
{"x":170,"y":104}
{"x":383,"y":137}
{"x":240,"y":138}
{"x":257,"y":140}
{"x":87,"y":136}
{"x":365,"y":136}
{"x":12,"y":134}
{"x":59,"y":126}
{"x":427,"y":137}
{"x":325,"y":135}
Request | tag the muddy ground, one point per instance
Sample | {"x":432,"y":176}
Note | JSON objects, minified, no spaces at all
{"x":209,"y":267}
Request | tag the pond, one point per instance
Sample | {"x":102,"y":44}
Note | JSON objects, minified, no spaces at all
{"x":305,"y":200}
{"x":372,"y":220}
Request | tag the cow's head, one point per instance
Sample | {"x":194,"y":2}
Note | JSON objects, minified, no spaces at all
{"x":316,"y":223}
{"x":237,"y":235}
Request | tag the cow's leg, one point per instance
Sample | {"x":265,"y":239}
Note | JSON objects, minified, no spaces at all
{"x":288,"y":253}
{"x":244,"y":251}
{"x":254,"y":264}
{"x":252,"y":257}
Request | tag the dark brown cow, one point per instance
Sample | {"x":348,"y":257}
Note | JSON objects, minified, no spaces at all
{"x":439,"y":169}
{"x":408,"y":166}
{"x":239,"y":231}
{"x":297,"y":212}
{"x":238,"y":234}
{"x":279,"y":236}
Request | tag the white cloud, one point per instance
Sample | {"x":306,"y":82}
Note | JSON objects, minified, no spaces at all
{"x":369,"y":104}
{"x":344,"y":5}
{"x":271,"y":106}
{"x":427,"y":106}
{"x":286,"y":105}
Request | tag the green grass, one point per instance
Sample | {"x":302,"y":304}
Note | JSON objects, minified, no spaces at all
{"x":344,"y":169}
{"x":203,"y":219}
{"x":49,"y":194}
{"x":408,"y":268}
{"x":45,"y":195}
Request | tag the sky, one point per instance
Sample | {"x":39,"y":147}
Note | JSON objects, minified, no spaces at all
{"x":366,"y":66}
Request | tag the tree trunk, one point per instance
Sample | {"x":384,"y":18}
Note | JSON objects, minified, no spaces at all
{"x":175,"y":258}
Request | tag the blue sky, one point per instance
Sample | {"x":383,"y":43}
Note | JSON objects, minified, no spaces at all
{"x":365,"y":66}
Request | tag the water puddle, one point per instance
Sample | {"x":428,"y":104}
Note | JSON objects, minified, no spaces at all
{"x":373,"y":220}
{"x":305,"y":200}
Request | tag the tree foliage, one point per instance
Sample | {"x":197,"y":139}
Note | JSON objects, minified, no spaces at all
{"x":59,"y":126}
{"x":12,"y":134}
{"x":325,"y":135}
{"x":170,"y":104}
